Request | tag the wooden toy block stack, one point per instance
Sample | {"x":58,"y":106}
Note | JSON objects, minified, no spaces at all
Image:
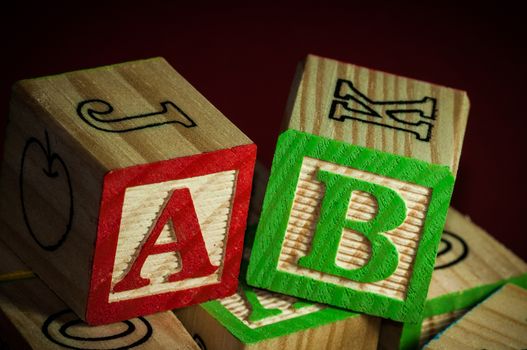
{"x":125,"y":189}
{"x":126,"y":194}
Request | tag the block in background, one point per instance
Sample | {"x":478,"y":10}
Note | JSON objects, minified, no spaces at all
{"x":470,"y":265}
{"x":257,"y":319}
{"x":359,"y":189}
{"x":127,"y":190}
{"x":32,"y":317}
{"x":497,"y":323}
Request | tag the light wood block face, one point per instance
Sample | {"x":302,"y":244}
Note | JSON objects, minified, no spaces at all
{"x":470,"y":265}
{"x":257,"y":319}
{"x":379,"y":110}
{"x":500,"y":322}
{"x":212,"y":211}
{"x":324,"y":234}
{"x":127,"y":189}
{"x":359,"y":189}
{"x":104,"y":109}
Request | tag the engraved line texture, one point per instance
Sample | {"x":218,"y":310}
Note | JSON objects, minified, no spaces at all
{"x":212,"y":196}
{"x":354,"y":248}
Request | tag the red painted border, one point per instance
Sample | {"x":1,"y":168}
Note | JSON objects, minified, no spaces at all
{"x":99,"y":310}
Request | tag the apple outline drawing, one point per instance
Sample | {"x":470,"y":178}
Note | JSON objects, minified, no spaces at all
{"x":49,"y":172}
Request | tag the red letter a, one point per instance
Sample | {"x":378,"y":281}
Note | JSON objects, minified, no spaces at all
{"x":190,"y":244}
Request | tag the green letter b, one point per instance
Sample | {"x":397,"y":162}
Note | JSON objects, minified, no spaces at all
{"x":391,"y":213}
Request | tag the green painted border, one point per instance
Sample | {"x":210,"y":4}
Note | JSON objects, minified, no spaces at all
{"x":410,"y":336}
{"x":452,"y":302}
{"x":291,"y":148}
{"x":292,"y":325}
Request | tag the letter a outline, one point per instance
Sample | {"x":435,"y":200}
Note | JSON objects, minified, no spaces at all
{"x":195,"y":262}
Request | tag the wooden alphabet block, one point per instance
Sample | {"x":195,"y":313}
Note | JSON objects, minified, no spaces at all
{"x":359,"y":189}
{"x":470,"y":265}
{"x":32,"y":317}
{"x":500,"y":322}
{"x":127,"y":189}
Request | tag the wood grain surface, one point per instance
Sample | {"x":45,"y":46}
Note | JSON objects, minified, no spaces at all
{"x":499,"y":322}
{"x":442,"y":110}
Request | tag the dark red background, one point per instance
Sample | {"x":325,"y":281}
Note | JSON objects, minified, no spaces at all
{"x":243,"y":57}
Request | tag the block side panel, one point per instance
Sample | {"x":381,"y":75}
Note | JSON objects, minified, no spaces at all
{"x":212,"y":197}
{"x":436,"y":324}
{"x":144,"y":111}
{"x":390,"y":335}
{"x":49,"y":203}
{"x":380,"y":111}
{"x":354,"y":249}
{"x":12,"y":267}
{"x":283,"y":308}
